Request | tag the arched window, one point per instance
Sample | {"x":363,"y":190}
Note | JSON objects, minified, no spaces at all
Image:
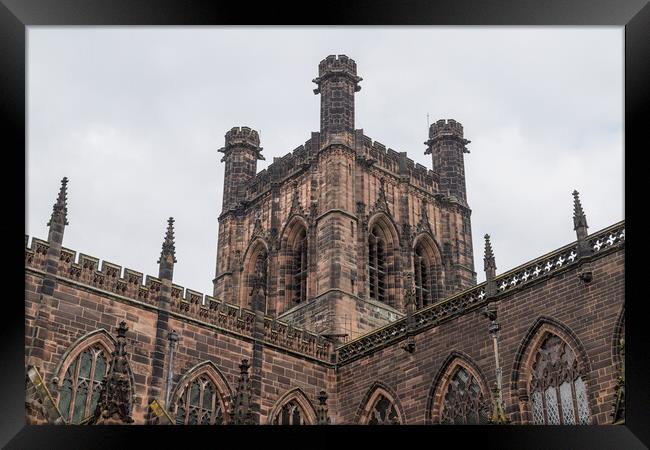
{"x":426,"y":276}
{"x":290,"y":414}
{"x":558,"y":393}
{"x":200,"y":404}
{"x":377,"y":264}
{"x":380,"y":406}
{"x":255,"y":280}
{"x":463,"y":402}
{"x":299,"y":267}
{"x":81,"y":385}
{"x":383,"y":412}
{"x":293,"y":408}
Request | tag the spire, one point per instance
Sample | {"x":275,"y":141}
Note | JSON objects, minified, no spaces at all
{"x":321,"y":409}
{"x":490,"y":266}
{"x":580,"y":225}
{"x":114,"y":405}
{"x":241,"y":413}
{"x":59,"y":218}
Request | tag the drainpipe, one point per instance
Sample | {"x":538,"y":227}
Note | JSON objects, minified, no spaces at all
{"x":173,"y":339}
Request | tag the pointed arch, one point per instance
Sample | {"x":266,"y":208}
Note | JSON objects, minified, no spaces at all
{"x":427,"y":270}
{"x":294,"y":406}
{"x":552,"y":347}
{"x":380,"y":405}
{"x":294,"y":263}
{"x":455,"y":367}
{"x":80,"y":373}
{"x":383,"y":260}
{"x":254,"y":272}
{"x":201,"y":396}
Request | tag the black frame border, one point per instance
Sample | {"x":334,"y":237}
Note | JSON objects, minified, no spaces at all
{"x":17,"y":15}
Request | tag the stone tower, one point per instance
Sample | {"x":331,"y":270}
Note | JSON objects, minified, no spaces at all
{"x":325,"y":235}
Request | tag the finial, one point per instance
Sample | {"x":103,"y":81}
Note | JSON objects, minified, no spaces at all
{"x":579,"y":218}
{"x":122,"y":329}
{"x":488,"y":258}
{"x":60,"y":209}
{"x":168,"y":247}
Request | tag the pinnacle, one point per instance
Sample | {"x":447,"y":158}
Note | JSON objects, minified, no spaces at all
{"x":488,"y":258}
{"x":60,"y":209}
{"x":168,"y":247}
{"x":579,"y":218}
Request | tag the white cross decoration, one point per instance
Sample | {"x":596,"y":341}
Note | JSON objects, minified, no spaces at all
{"x":514,"y":280}
{"x":481,"y":295}
{"x":536,"y":271}
{"x":548,"y":266}
{"x":560,"y":261}
{"x":525,"y":276}
{"x":573,"y":255}
{"x":598,"y":245}
{"x":503,"y":285}
{"x":622,"y":235}
{"x":611,"y":239}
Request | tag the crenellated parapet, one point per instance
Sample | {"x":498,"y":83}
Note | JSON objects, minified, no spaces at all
{"x":127,"y":284}
{"x":242,"y":137}
{"x":542,"y":268}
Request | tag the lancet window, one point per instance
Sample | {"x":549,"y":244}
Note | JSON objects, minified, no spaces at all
{"x":299,"y":267}
{"x":290,"y":414}
{"x":377,"y":264}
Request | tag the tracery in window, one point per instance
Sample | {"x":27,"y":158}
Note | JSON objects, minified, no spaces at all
{"x":256,"y":278}
{"x":299,"y":267}
{"x":290,"y":414}
{"x":82,"y":383}
{"x":200,"y":403}
{"x":558,"y":392}
{"x":377,"y":264}
{"x":383,"y":412}
{"x":426,"y":275}
{"x":463,"y":401}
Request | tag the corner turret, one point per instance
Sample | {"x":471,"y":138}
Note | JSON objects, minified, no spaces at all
{"x":241,"y":152}
{"x":446,"y":144}
{"x":337,"y":82}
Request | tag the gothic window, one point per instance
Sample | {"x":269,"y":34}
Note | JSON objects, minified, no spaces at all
{"x":463,"y":401}
{"x":383,"y":412}
{"x":290,"y":414}
{"x":200,"y":404}
{"x":558,"y":392}
{"x":257,"y":278}
{"x":425,"y":277}
{"x":377,"y":264}
{"x":299,"y":267}
{"x":82,"y":384}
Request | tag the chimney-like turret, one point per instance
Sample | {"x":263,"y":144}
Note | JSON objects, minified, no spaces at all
{"x":447,"y":145}
{"x":337,"y":82}
{"x":241,"y":152}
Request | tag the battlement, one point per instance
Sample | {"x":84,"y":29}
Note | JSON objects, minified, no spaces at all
{"x":87,"y":270}
{"x":445,"y":128}
{"x":242,"y":137}
{"x":336,"y":64}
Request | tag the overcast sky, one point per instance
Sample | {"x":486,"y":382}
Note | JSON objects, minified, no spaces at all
{"x":134,"y":117}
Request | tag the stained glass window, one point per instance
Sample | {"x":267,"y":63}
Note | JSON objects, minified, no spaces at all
{"x":383,"y":412}
{"x":81,"y":386}
{"x":558,"y":394}
{"x":200,"y":404}
{"x":290,"y":414}
{"x":463,"y":401}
